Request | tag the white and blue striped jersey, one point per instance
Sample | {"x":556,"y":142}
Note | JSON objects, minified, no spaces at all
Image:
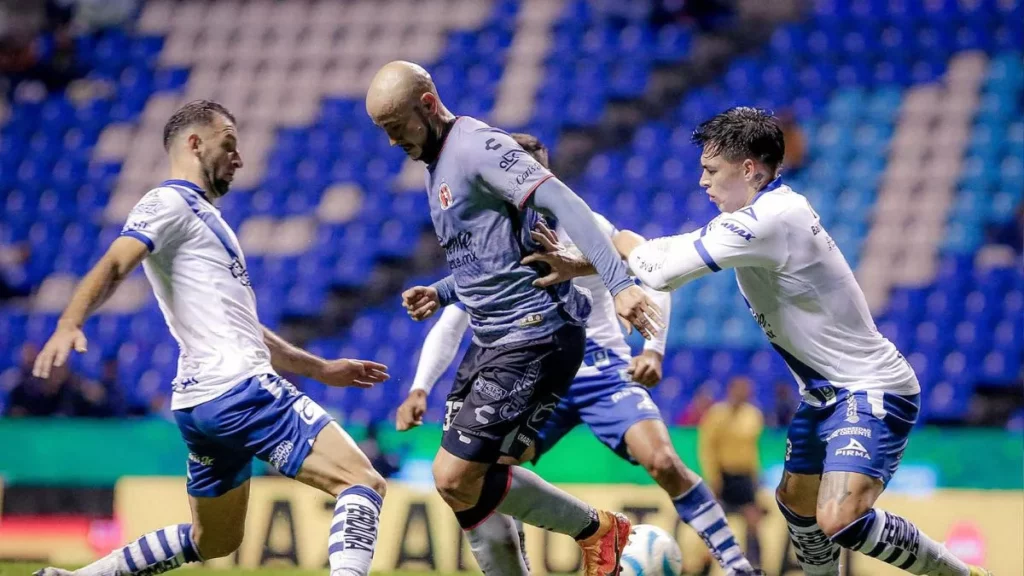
{"x":198,"y":274}
{"x":798,"y":286}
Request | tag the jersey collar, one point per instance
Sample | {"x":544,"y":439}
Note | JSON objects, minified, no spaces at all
{"x":773,"y":185}
{"x":187,"y":184}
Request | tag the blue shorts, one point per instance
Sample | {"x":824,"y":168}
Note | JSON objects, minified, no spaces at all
{"x":609,"y":403}
{"x":264,"y":416}
{"x":864,"y":432}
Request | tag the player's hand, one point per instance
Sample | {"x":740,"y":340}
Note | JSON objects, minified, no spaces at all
{"x":636,"y":309}
{"x":421,"y":302}
{"x":354,"y":373}
{"x":57,"y":349}
{"x":562,"y":264}
{"x":645,"y":368}
{"x":410,"y":413}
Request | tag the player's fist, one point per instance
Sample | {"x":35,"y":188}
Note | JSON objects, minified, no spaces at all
{"x":636,"y":308}
{"x":421,"y":302}
{"x":355,"y":373}
{"x":410,"y":413}
{"x":57,"y":349}
{"x":645,"y":368}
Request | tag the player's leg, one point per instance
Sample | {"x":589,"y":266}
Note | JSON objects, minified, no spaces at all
{"x":338,"y":467}
{"x":492,"y":540}
{"x":625,"y":418}
{"x":866,"y":440}
{"x":218,"y":488}
{"x":513,"y":391}
{"x":296,"y":436}
{"x":797,"y":493}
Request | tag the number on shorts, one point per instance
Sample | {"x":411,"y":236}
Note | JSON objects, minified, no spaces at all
{"x":451,"y":410}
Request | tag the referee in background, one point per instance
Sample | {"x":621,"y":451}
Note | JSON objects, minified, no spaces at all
{"x":727,"y":447}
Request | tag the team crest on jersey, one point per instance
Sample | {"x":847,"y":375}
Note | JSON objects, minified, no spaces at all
{"x":444,"y":196}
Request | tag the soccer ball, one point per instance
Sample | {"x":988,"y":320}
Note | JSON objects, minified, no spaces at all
{"x":651,"y":552}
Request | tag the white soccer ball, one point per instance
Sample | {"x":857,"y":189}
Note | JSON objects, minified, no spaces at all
{"x":651,"y":552}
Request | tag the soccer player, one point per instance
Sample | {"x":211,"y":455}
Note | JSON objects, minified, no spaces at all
{"x":485,"y":195}
{"x":228,"y":399}
{"x":608,"y":394}
{"x":860,"y":396}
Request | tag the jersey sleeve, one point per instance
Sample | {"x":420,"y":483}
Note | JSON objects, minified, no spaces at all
{"x":440,"y":347}
{"x":156,"y":220}
{"x":502,"y":167}
{"x":732,"y":240}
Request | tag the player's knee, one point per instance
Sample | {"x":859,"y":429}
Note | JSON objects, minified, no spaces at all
{"x":374,"y":481}
{"x":448,"y":483}
{"x":216,"y":544}
{"x":834,"y":520}
{"x":664,"y":465}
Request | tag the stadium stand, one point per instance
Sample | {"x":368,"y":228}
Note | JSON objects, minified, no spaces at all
{"x":911,"y":112}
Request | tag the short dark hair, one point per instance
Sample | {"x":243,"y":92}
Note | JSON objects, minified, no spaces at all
{"x":533,"y":146}
{"x":195,"y":112}
{"x":743,"y":132}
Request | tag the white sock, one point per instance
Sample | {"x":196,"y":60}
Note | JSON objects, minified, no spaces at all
{"x":153,"y":553}
{"x":354,"y":531}
{"x":896,"y":541}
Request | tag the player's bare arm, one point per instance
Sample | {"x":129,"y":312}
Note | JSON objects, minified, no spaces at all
{"x":124,"y":255}
{"x":286,"y":357}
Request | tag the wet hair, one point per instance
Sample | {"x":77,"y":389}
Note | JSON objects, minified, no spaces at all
{"x":533,"y":146}
{"x":195,"y":112}
{"x":743,"y":132}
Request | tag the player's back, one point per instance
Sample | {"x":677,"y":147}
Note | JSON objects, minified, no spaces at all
{"x":198,"y":274}
{"x":478,"y":189}
{"x":806,"y":299}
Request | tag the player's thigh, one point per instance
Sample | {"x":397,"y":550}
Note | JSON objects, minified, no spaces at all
{"x":218,"y":522}
{"x":336,"y":463}
{"x":459,"y":481}
{"x":624,"y":418}
{"x":512,"y":392}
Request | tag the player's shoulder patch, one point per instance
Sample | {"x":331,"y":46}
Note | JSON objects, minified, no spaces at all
{"x":738,"y":227}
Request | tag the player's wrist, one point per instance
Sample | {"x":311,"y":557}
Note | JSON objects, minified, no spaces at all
{"x":68,"y":323}
{"x":418,"y":393}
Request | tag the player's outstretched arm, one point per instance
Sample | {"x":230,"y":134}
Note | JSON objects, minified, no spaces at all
{"x":439,"y":350}
{"x":631,"y":303}
{"x":123,"y":256}
{"x":730,"y":241}
{"x":286,"y":357}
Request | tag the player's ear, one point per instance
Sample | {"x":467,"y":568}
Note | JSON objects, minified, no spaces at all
{"x":195,"y":143}
{"x":749,"y":170}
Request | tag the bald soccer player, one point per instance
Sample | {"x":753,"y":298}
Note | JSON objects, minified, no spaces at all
{"x":486,"y":194}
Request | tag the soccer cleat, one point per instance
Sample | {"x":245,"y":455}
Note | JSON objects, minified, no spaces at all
{"x":978,"y":571}
{"x":53,"y":572}
{"x":602,"y":551}
{"x":756,"y":572}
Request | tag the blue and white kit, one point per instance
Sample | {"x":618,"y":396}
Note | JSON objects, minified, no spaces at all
{"x":228,"y":402}
{"x":860,"y":397}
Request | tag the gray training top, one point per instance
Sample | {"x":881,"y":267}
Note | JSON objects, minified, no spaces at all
{"x":478,"y":190}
